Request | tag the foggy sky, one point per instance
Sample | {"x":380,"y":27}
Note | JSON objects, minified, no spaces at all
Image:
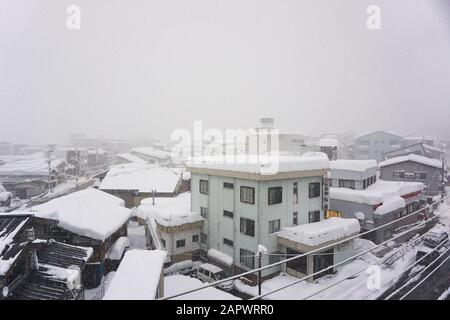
{"x":145,"y":68}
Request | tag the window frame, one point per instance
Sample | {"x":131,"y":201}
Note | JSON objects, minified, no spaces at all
{"x":277,"y":195}
{"x":201,"y":183}
{"x":244,"y":227}
{"x":312,"y":188}
{"x":183,"y":241}
{"x":242,"y":188}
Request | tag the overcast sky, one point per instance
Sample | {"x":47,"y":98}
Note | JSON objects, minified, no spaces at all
{"x":145,"y":68}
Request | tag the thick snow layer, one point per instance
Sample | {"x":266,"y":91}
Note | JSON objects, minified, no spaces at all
{"x":130,"y":158}
{"x":391,"y":204}
{"x":169,"y":212}
{"x":69,"y":276}
{"x":29,"y":167}
{"x":414,"y":158}
{"x":142,"y":178}
{"x":377,"y":193}
{"x":152,"y":152}
{"x":353,"y":165}
{"x":315,"y":154}
{"x":118,"y":248}
{"x":137,"y":277}
{"x":5,"y":240}
{"x":177,"y":284}
{"x":91,"y":213}
{"x":328,"y":142}
{"x":263,"y":164}
{"x":220,"y":257}
{"x":317,"y":233}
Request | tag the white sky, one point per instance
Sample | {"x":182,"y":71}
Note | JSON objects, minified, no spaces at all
{"x":145,"y":68}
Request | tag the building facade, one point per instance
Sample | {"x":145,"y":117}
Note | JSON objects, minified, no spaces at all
{"x":375,"y":144}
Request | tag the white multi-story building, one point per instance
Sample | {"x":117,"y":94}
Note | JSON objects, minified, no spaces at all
{"x":244,"y":208}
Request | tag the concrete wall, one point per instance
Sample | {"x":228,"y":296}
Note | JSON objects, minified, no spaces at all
{"x":218,"y":227}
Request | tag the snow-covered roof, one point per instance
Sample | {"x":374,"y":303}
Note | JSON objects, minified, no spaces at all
{"x":328,"y":142}
{"x":353,"y":165}
{"x":118,"y":248}
{"x":220,"y":257}
{"x":130,"y":158}
{"x":169,"y":212}
{"x":318,"y":233}
{"x":137,"y":277}
{"x":10,"y":226}
{"x":152,"y":152}
{"x":414,"y":158}
{"x":315,"y":154}
{"x":376,"y":193}
{"x":29,"y":167}
{"x":177,"y":284}
{"x":91,"y":213}
{"x":143,"y":178}
{"x":259,"y":164}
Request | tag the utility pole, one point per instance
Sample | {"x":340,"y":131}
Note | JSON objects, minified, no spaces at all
{"x":259,"y":273}
{"x":49,"y":161}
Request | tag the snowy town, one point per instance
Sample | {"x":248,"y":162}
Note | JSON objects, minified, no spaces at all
{"x":193,"y":152}
{"x":124,"y":222}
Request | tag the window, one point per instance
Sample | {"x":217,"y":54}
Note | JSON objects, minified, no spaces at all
{"x":298,"y":264}
{"x":410,"y":175}
{"x":274,"y":226}
{"x":203,"y":238}
{"x":195,"y":238}
{"x":343,"y":183}
{"x":163,"y":242}
{"x":227,"y":242}
{"x":181,"y":243}
{"x":248,"y":195}
{"x":421,"y":175}
{"x":247,"y":258}
{"x":204,"y":186}
{"x":248,"y":227}
{"x":314,"y":189}
{"x":228,"y":214}
{"x":275,"y":195}
{"x":227,"y":185}
{"x":295,"y":192}
{"x":275,"y":257}
{"x":295,"y":218}
{"x":399,"y":174}
{"x":364,"y":184}
{"x":204,"y":212}
{"x":314,"y":216}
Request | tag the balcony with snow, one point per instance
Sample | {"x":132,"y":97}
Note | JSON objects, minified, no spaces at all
{"x":327,"y":234}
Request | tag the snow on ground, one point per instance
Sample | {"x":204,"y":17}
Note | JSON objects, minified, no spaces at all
{"x":136,"y":235}
{"x":354,"y":288}
{"x":178,"y":283}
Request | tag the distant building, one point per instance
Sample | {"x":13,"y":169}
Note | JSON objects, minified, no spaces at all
{"x":356,"y":193}
{"x":431,"y":172}
{"x":6,"y":148}
{"x":134,"y":182}
{"x":374,"y":145}
{"x":152,"y":155}
{"x":329,"y":147}
{"x":411,"y":139}
{"x":420,"y":149}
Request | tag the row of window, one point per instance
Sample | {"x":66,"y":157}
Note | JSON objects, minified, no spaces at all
{"x":182,"y":242}
{"x":275,"y":194}
{"x":351,"y":184}
{"x":409,"y":175}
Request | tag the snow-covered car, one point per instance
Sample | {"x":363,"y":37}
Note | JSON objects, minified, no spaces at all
{"x":210,"y":273}
{"x":436,"y":236}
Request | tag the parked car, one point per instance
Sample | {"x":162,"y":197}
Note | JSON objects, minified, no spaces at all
{"x":207,"y":272}
{"x":432,"y":255}
{"x":435,"y":236}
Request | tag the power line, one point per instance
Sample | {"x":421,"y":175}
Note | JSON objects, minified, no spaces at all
{"x":212,"y":284}
{"x":345,"y":261}
{"x":408,"y":268}
{"x":429,"y":275}
{"x":408,"y":282}
{"x":364,"y":269}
